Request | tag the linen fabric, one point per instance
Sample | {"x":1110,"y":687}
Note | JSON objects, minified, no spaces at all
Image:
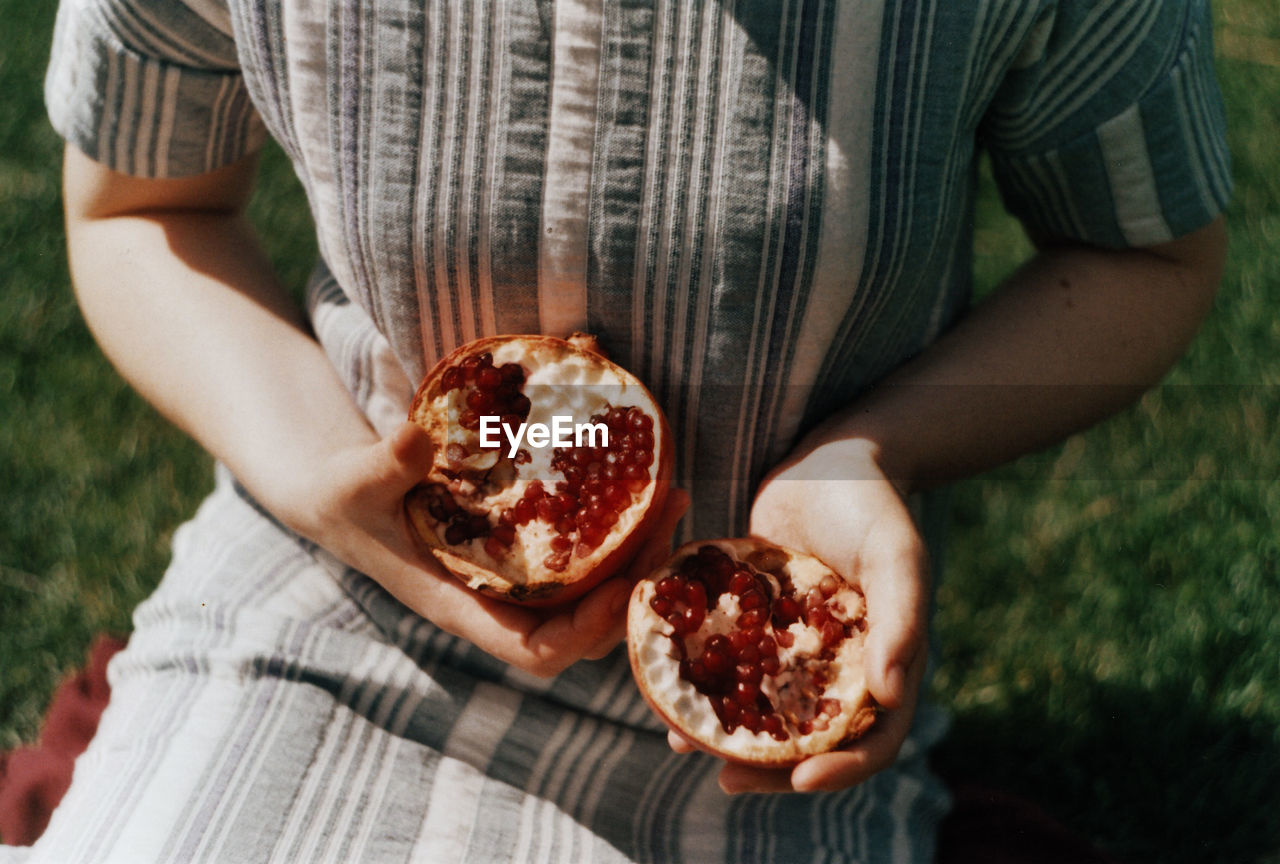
{"x":759,"y":207}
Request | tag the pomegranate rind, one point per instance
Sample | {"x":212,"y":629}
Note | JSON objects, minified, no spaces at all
{"x":655,"y":664}
{"x":576,"y":367}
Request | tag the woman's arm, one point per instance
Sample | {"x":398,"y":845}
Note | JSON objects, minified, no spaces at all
{"x":1071,"y":337}
{"x":181,"y":298}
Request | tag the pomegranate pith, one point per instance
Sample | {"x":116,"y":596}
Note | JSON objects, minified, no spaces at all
{"x":751,"y":651}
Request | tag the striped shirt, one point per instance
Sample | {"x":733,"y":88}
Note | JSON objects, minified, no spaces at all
{"x":760,"y":207}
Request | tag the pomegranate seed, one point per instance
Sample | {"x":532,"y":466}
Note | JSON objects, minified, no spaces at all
{"x":638,"y":420}
{"x":805,"y":727}
{"x":534,"y":490}
{"x":832,"y":632}
{"x":670,"y":587}
{"x":749,"y":654}
{"x":561,"y":543}
{"x":773,"y":725}
{"x":830,"y":707}
{"x":480,"y":401}
{"x":556,"y":561}
{"x":785,"y":638}
{"x":505,"y":534}
{"x":470,"y":365}
{"x":455,"y":534}
{"x":455,"y":453}
{"x":592,"y":535}
{"x":525,"y":510}
{"x":695,"y":594}
{"x":745,"y":693}
{"x":640,"y":458}
{"x":494,"y":547}
{"x":768,"y":647}
{"x":520,"y":405}
{"x":565,"y":525}
{"x":617,"y":497}
{"x":751,"y":600}
{"x":478,"y":524}
{"x":676,"y":620}
{"x":452,"y":379}
{"x":522,"y":457}
{"x":693,"y":618}
{"x":636,"y":478}
{"x":742,"y":582}
{"x":787,"y":610}
{"x":693,"y":671}
{"x":661,"y":606}
{"x":753,"y":618}
{"x":488,"y":378}
{"x":828,"y":585}
{"x":748,"y":672}
{"x":770,"y":664}
{"x":547,"y":509}
{"x":718,"y":662}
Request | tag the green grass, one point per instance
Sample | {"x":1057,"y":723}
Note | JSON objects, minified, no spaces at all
{"x":1109,"y":613}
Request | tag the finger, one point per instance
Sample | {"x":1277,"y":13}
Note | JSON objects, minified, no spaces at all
{"x":679,"y":743}
{"x":402,"y":459}
{"x":604,"y":612}
{"x":650,"y":557}
{"x":588,"y":629}
{"x":894,"y":579}
{"x":872,"y":753}
{"x":658,"y":547}
{"x":738,"y":779}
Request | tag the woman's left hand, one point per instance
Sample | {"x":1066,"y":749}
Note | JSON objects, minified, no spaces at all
{"x":836,"y":504}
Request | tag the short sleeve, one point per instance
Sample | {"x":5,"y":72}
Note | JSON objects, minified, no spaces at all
{"x":150,"y":88}
{"x":1110,"y":129}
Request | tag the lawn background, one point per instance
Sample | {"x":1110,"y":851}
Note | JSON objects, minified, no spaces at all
{"x":1110,"y":608}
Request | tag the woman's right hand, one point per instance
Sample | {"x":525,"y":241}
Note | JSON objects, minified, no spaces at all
{"x":356,"y":511}
{"x":184,"y":302}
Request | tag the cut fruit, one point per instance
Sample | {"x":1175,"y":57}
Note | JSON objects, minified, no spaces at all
{"x":752,"y":651}
{"x":552,"y":465}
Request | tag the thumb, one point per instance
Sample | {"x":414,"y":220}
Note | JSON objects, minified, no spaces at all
{"x":403,"y":458}
{"x":897,"y":613}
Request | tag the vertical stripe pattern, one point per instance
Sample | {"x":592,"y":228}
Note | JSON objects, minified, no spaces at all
{"x":759,"y":206}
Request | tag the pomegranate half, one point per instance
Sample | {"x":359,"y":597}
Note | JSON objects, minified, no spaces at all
{"x":551,"y":466}
{"x":752,"y":651}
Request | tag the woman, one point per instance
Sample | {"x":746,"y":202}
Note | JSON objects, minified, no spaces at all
{"x":762,"y":209}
